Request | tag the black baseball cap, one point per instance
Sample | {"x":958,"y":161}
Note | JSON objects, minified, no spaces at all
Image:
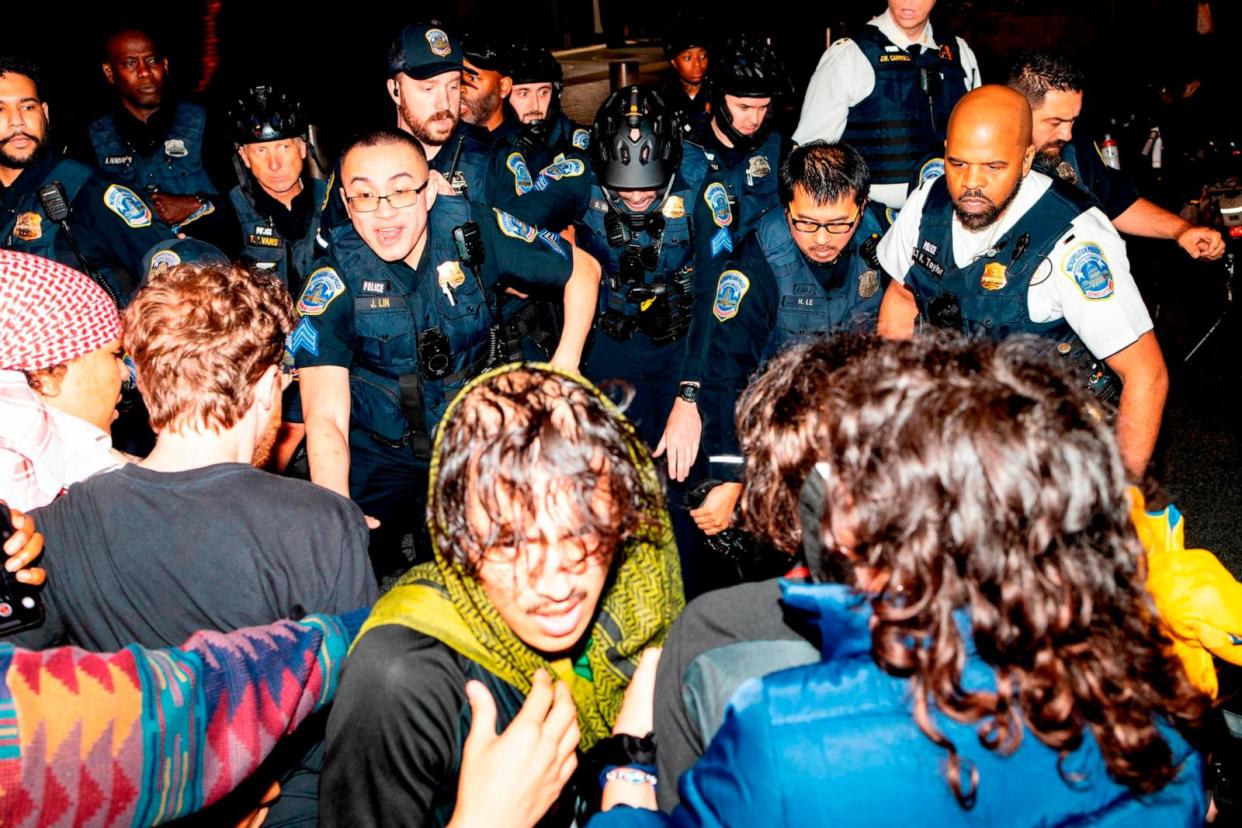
{"x":423,"y":51}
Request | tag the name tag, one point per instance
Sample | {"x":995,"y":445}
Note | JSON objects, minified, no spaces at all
{"x":379,"y":303}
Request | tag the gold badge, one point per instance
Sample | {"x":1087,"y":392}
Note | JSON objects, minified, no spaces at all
{"x":451,"y":275}
{"x":674,"y":208}
{"x":994,"y":277}
{"x":29,"y":227}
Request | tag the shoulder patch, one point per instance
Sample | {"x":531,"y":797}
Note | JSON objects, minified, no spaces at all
{"x":581,"y":139}
{"x":522,"y":181}
{"x":514,"y":227}
{"x":125,"y":203}
{"x":552,"y":242}
{"x":323,"y":286}
{"x":1086,"y":265}
{"x":303,"y":338}
{"x":563,"y":167}
{"x":717,"y":198}
{"x":890,"y":215}
{"x":934,"y":168}
{"x":730,"y":289}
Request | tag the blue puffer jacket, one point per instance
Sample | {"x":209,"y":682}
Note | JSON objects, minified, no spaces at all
{"x":835,"y":743}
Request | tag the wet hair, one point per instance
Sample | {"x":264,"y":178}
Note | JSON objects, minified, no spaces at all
{"x":201,"y":337}
{"x":518,"y":440}
{"x":827,"y":172}
{"x":781,"y":430}
{"x":1034,"y":74}
{"x":984,"y":480}
{"x":384,"y":137}
{"x":18,"y":65}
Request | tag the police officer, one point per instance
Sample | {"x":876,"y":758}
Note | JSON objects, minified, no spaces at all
{"x":735,"y":150}
{"x":155,"y":146}
{"x":401,"y":316}
{"x":686,"y":50}
{"x":993,"y":249}
{"x":888,"y":93}
{"x":108,"y":227}
{"x":278,"y":204}
{"x":1053,"y":86}
{"x":485,"y":84}
{"x":546,"y":131}
{"x":809,"y":268}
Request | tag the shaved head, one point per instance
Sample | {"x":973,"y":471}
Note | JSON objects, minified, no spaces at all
{"x":988,"y":153}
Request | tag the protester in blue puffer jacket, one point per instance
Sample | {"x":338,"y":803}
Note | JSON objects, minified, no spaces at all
{"x":997,"y":659}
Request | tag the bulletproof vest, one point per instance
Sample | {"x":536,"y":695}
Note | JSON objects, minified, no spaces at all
{"x":563,"y":137}
{"x":752,"y":183}
{"x":263,"y":246}
{"x":907,"y":112}
{"x":176,"y":168}
{"x":990,"y":294}
{"x":472,"y":176}
{"x":411,"y":334}
{"x":29,"y":230}
{"x":653,"y":300}
{"x":806,"y":307}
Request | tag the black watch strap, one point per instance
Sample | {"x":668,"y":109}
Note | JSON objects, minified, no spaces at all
{"x":688,"y":392}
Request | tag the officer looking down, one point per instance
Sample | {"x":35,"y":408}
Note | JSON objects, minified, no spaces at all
{"x":278,"y":204}
{"x":735,"y":150}
{"x":402,"y":315}
{"x":993,"y":249}
{"x":888,"y":93}
{"x":85,"y":223}
{"x":156,"y":145}
{"x":1053,"y":86}
{"x":807,"y":269}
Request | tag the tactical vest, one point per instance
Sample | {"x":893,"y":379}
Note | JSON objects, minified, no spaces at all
{"x":654,"y":301}
{"x":991,"y":291}
{"x":806,"y":307}
{"x":1068,"y":170}
{"x":564,"y":137}
{"x":472,"y":177}
{"x":176,"y":168}
{"x":753,"y":185}
{"x":907,"y":112}
{"x":29,"y":230}
{"x":392,"y":318}
{"x":263,"y":246}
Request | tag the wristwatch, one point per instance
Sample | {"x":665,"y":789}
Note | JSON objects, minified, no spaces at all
{"x":689,"y":391}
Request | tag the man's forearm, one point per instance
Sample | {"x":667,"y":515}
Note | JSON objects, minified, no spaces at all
{"x":1138,"y":419}
{"x":580,"y":297}
{"x":327,"y":452}
{"x":1143,"y":218}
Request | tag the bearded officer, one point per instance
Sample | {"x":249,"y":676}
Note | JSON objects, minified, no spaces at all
{"x":993,"y":249}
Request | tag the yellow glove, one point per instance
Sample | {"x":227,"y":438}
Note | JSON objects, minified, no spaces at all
{"x":1199,"y":601}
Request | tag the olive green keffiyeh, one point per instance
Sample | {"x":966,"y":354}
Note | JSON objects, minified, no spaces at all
{"x":639,"y":603}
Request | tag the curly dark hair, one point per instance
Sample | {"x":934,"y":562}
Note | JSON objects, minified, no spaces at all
{"x":781,"y":430}
{"x":1035,"y":74}
{"x":524,"y":424}
{"x":981,"y":477}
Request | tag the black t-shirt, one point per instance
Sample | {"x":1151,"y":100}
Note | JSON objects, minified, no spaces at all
{"x":396,"y":731}
{"x":151,"y":557}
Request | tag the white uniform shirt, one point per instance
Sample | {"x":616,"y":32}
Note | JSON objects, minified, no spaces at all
{"x":1085,"y":280}
{"x":844,"y":78}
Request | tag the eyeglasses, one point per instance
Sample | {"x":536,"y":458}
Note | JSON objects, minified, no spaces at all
{"x":397,"y":199}
{"x":835,"y":227}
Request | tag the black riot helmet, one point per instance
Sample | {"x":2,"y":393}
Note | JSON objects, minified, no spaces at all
{"x":635,"y":141}
{"x":534,"y":64}
{"x":746,"y":68}
{"x":265,"y":113}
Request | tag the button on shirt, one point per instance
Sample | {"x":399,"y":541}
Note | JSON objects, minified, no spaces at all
{"x":1105,"y":326}
{"x":844,"y":78}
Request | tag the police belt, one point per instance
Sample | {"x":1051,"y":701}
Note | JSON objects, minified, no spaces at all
{"x":410,"y":387}
{"x":535,"y":321}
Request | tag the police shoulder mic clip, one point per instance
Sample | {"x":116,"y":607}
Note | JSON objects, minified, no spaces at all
{"x":55,"y":203}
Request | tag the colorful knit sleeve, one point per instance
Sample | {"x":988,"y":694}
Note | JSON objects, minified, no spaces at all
{"x":141,"y":737}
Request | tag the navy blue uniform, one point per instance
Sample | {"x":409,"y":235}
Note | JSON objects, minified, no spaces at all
{"x":904,"y":117}
{"x":283,"y":241}
{"x":768,"y":296}
{"x":411,"y":338}
{"x":113,"y":227}
{"x":1082,"y":166}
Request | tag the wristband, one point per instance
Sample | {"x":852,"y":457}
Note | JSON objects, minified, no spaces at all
{"x":633,"y":774}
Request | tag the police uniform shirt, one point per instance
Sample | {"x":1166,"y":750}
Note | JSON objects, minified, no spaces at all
{"x":113,"y":227}
{"x":1114,"y":191}
{"x":844,"y":78}
{"x":1085,"y":280}
{"x":534,"y":257}
{"x":552,"y":197}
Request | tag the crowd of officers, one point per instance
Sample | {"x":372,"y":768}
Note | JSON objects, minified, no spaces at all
{"x":665,"y":251}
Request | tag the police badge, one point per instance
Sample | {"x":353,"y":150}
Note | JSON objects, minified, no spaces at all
{"x":29,"y":227}
{"x":758,"y":167}
{"x":993,"y":277}
{"x":868,"y":284}
{"x":175,"y":148}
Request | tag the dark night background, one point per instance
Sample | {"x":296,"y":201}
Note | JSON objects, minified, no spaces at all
{"x":333,"y":56}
